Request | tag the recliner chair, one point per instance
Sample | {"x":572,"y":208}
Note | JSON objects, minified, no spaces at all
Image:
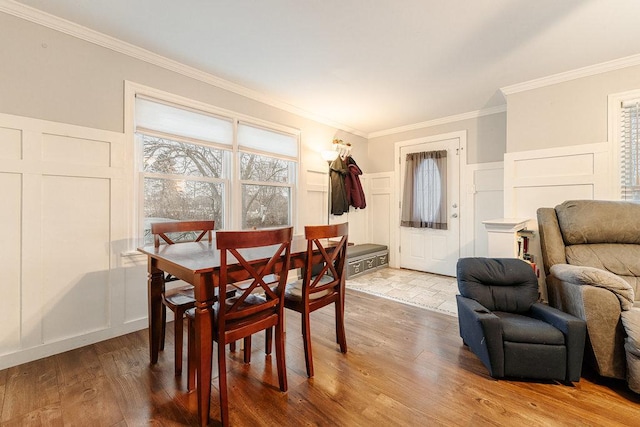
{"x":512,"y":333}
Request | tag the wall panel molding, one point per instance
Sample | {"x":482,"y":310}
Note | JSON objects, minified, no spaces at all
{"x":64,"y":194}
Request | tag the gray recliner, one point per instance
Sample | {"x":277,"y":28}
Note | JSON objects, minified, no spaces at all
{"x":504,"y":325}
{"x":591,"y":255}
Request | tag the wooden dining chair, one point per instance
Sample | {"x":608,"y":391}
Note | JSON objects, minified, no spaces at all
{"x":322,"y":282}
{"x":179,"y":299}
{"x":242,"y":254}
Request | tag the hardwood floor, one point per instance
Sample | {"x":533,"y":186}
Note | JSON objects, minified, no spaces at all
{"x":406,"y":366}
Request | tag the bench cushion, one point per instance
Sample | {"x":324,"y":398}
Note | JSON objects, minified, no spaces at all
{"x":364,"y":249}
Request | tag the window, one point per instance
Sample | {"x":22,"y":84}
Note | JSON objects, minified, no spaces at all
{"x":197,"y":165}
{"x":630,"y":150}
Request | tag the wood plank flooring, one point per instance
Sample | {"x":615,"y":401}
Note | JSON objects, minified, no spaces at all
{"x":406,"y":366}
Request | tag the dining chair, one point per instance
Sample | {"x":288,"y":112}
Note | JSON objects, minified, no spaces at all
{"x":322,"y":282}
{"x":257,"y":305}
{"x":181,"y":298}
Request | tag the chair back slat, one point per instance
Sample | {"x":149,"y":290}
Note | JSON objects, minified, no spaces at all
{"x":161,"y":229}
{"x":260,"y":297}
{"x":332,"y":257}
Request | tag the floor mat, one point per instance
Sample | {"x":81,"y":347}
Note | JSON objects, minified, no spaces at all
{"x":430,"y":291}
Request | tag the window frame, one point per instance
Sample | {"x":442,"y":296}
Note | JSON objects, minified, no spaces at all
{"x":232,"y":211}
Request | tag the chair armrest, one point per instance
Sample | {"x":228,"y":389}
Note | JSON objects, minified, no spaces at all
{"x":574,"y":331}
{"x":481,"y":330}
{"x":565,"y":322}
{"x":589,"y":276}
{"x":601,"y":310}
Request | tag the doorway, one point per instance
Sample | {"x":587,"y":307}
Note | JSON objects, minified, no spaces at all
{"x":433,"y":249}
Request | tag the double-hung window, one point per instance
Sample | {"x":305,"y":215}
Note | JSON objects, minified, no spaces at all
{"x":194,"y":165}
{"x":267,"y":172}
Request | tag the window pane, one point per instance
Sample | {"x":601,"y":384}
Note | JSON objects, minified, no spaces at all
{"x":169,"y":199}
{"x":254,"y":167}
{"x":265,"y":206}
{"x":169,"y":157}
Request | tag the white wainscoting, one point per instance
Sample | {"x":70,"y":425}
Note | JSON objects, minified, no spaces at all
{"x":379,"y":205}
{"x":317,"y":208}
{"x":484,"y":201}
{"x":63,"y":223}
{"x":546,"y":178}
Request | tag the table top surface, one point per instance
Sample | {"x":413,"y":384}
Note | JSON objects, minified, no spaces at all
{"x":204,"y":256}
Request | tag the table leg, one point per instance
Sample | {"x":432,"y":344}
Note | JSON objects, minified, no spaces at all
{"x":155,"y":287}
{"x":204,"y":348}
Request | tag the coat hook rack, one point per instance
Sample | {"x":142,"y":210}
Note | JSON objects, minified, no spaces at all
{"x":343,"y":149}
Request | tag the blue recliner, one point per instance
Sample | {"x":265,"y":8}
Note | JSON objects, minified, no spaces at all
{"x":512,"y":333}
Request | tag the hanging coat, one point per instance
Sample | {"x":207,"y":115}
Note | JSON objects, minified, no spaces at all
{"x":355,"y":193}
{"x":338,"y":171}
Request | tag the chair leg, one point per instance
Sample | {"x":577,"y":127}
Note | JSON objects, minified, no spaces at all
{"x":191,"y":356}
{"x":280,"y":356}
{"x":306,"y":337}
{"x":232,"y":346}
{"x":222,"y":381}
{"x":178,"y":339}
{"x":247,"y":349}
{"x":341,"y":336}
{"x":164,"y":326}
{"x":268,"y":339}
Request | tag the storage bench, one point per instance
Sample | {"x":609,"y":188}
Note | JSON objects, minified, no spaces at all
{"x":366,"y":257}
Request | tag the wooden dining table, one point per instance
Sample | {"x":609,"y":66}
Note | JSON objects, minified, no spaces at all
{"x":198,"y":263}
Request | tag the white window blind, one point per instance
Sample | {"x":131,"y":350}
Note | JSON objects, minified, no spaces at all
{"x":267,"y":141}
{"x":152,"y":115}
{"x":630,"y":150}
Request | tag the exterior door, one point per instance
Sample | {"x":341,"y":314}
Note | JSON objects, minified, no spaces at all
{"x":426,"y":249}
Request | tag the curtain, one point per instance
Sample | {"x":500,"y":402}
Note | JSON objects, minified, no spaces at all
{"x":424,"y":199}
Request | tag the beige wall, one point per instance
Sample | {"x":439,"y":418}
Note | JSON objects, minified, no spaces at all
{"x":76,"y":82}
{"x":564,"y":114}
{"x":486,"y":141}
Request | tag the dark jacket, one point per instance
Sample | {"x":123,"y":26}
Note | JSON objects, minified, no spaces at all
{"x":338,"y":171}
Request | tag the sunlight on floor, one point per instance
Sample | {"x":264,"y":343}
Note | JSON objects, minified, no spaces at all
{"x":427,"y":290}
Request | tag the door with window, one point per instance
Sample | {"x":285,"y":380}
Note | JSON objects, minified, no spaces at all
{"x":429,"y":209}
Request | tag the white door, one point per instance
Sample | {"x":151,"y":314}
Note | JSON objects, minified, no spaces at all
{"x":426,"y":249}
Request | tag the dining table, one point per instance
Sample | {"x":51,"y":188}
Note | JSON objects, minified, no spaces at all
{"x":198,"y":263}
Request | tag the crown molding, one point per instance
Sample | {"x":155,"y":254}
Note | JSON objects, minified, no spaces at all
{"x":441,"y":121}
{"x":591,"y":70}
{"x":62,"y":25}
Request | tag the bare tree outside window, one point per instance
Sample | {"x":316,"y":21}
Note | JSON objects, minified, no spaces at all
{"x":182,"y":182}
{"x":185,"y":181}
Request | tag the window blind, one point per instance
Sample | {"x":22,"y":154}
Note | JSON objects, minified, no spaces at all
{"x":167,"y":119}
{"x":630,"y":150}
{"x":267,"y":141}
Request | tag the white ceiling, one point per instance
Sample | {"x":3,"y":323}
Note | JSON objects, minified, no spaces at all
{"x":371,"y":65}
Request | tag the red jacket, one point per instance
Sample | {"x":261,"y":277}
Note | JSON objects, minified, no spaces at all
{"x":355,"y":194}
